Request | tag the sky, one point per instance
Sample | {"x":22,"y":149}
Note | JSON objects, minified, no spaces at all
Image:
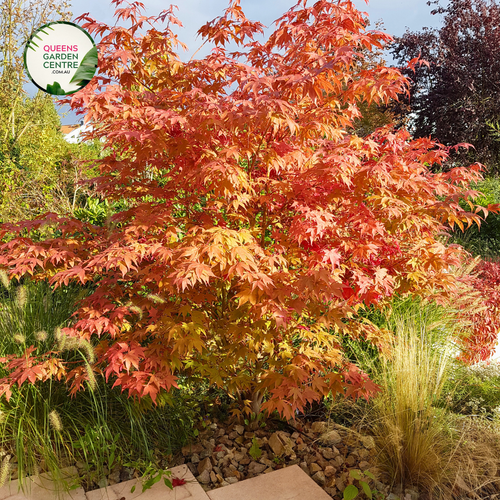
{"x":397,"y":16}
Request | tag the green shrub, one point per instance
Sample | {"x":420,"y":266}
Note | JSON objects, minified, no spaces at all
{"x":98,"y":212}
{"x":474,"y":390}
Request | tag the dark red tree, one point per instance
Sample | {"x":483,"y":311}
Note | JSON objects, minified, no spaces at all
{"x":455,"y":97}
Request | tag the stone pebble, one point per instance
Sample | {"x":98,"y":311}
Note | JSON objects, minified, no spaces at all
{"x":325,"y":451}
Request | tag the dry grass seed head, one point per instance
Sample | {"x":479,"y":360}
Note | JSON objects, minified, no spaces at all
{"x":136,"y":310}
{"x":4,"y":470}
{"x":55,"y":421}
{"x":41,"y":336}
{"x":68,"y":343}
{"x":4,"y":278}
{"x":21,"y":297}
{"x":155,"y":298}
{"x":19,"y":338}
{"x":87,"y":348}
{"x":91,"y":376}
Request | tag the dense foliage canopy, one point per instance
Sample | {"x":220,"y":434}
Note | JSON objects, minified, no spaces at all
{"x":257,"y":226}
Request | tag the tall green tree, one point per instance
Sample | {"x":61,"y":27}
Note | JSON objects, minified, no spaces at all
{"x":18,"y":20}
{"x":39,"y":170}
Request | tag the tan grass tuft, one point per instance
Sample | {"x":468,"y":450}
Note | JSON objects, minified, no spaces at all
{"x":55,"y":421}
{"x":477,"y":457}
{"x":410,"y":433}
{"x":41,"y":336}
{"x":421,"y":446}
{"x":4,"y":278}
{"x":21,"y":297}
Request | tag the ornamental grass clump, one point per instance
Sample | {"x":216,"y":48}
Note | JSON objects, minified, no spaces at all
{"x":421,"y":443}
{"x":31,"y":428}
{"x":415,"y":445}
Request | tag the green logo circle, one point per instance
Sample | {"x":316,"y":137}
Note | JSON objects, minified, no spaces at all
{"x":60,"y":58}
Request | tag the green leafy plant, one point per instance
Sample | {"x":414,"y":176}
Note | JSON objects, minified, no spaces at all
{"x":473,"y":390}
{"x":351,"y":491}
{"x":151,"y":474}
{"x":484,"y":240}
{"x":98,"y":449}
{"x":95,"y":211}
{"x":253,"y":420}
{"x":255,"y":452}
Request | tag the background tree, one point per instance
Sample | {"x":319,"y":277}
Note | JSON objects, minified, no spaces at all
{"x":39,"y":170}
{"x":455,"y":97}
{"x":257,"y":227}
{"x":18,"y":20}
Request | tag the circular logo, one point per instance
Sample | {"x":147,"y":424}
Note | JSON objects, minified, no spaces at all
{"x":60,"y":58}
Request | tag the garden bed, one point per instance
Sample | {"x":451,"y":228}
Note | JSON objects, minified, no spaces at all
{"x":228,"y":452}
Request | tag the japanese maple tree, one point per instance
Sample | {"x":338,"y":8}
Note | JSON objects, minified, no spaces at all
{"x":257,"y":226}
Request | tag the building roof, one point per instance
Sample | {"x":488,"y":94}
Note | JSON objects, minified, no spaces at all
{"x":73,"y":137}
{"x":66,"y":129}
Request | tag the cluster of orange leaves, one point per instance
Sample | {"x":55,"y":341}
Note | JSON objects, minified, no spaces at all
{"x":483,"y":319}
{"x":256,"y":224}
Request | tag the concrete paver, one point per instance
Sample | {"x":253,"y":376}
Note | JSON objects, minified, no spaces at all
{"x":121,"y":491}
{"x":42,"y":488}
{"x":290,"y":483}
